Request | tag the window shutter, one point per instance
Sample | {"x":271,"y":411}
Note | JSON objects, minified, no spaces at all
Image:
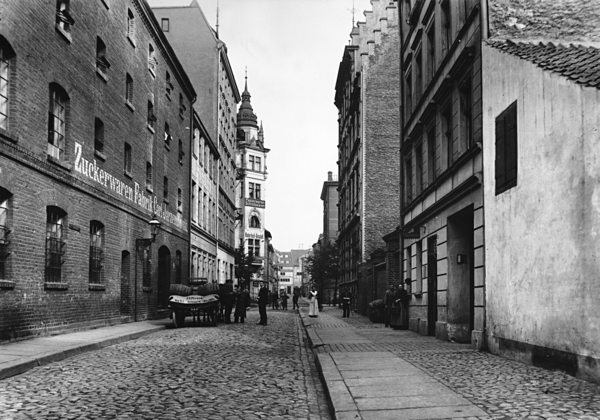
{"x":500,"y":151}
{"x":511,"y":145}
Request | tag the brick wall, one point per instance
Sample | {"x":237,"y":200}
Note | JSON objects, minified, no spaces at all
{"x":101,"y":191}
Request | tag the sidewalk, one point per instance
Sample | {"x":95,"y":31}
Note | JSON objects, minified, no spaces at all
{"x":19,"y":357}
{"x":378,"y":385}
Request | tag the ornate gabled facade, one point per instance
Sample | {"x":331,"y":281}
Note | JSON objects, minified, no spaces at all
{"x":251,"y":164}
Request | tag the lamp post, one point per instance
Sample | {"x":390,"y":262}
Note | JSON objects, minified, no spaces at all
{"x":143,"y":242}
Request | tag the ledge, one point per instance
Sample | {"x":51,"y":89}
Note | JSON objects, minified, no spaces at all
{"x":9,"y":135}
{"x":128,"y":174}
{"x":65,"y":165}
{"x":97,"y":287}
{"x":6,"y":284}
{"x":64,"y":33}
{"x":131,"y":41}
{"x":56,"y":286}
{"x":129,"y":105}
{"x":150,"y":129}
{"x":102,"y":75}
{"x":100,"y":155}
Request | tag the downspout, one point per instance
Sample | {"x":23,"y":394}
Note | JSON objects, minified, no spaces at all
{"x":401,"y":166}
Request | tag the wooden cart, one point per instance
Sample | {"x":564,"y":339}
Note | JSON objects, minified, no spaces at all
{"x":195,"y":306}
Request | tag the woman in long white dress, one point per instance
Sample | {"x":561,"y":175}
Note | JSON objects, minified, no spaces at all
{"x":313,"y":309}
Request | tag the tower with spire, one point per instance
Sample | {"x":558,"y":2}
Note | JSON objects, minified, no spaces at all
{"x":251,"y":191}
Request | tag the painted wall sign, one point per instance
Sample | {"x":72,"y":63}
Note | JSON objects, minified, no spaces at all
{"x":148,"y":202}
{"x":251,"y":202}
{"x":254,"y":235}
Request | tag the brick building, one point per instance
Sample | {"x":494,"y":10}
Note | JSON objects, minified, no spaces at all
{"x":442,"y":200}
{"x":330,"y":198}
{"x":93,"y":145}
{"x":204,"y":57}
{"x":367,"y":95}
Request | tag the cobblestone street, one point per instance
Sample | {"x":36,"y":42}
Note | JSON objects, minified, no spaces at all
{"x":503,"y":388}
{"x":237,"y":371}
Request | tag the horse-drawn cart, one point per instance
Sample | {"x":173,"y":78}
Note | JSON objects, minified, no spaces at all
{"x":198,"y":300}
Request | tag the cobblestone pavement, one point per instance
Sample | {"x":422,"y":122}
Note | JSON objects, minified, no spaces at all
{"x":236,"y":371}
{"x":505,"y":389}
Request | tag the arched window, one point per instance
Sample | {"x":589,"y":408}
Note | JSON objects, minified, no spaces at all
{"x":57,"y":121}
{"x":7,"y":70}
{"x":98,"y":135}
{"x":254,"y":222}
{"x":96,"y":251}
{"x":130,"y":24}
{"x":55,"y":244}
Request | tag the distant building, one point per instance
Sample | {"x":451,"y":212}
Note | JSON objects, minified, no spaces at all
{"x":292,"y":269}
{"x":367,"y":95}
{"x":251,"y":176}
{"x":91,"y":150}
{"x":205,"y":58}
{"x":329,"y":196}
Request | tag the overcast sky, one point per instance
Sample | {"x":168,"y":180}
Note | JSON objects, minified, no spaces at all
{"x":292,"y":49}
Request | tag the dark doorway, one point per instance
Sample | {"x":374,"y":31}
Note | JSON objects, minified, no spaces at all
{"x":432,"y":309}
{"x":125,"y":283}
{"x":164,"y":276}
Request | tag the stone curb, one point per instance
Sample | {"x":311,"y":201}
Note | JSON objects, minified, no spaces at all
{"x":340,"y":400}
{"x":23,"y":365}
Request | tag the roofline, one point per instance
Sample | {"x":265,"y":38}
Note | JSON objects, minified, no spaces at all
{"x":203,"y":129}
{"x":325,"y":184}
{"x":234,"y":87}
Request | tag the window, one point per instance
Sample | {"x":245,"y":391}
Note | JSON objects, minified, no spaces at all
{"x":57,"y":121}
{"x":258,"y":164}
{"x":194,"y":208}
{"x":102,"y":64}
{"x":199,"y":206}
{"x":152,"y":63}
{"x":431,"y":51}
{"x":166,"y":189}
{"x":254,"y":247}
{"x":151,"y":116}
{"x":54,"y":244}
{"x":195,"y":141}
{"x":506,"y":149}
{"x":419,"y":267}
{"x":7,"y":56}
{"x":181,"y":153}
{"x":63,"y":19}
{"x":4,"y":233}
{"x":418,"y":169}
{"x":418,"y":76}
{"x":179,"y":201}
{"x":96,"y":251}
{"x":146,"y":268}
{"x":251,"y":162}
{"x":130,"y":24}
{"x":129,"y":89}
{"x":164,"y":24}
{"x":168,"y":137}
{"x":431,"y":154}
{"x":127,"y":159}
{"x":466,"y":120}
{"x":408,"y":180}
{"x":182,"y":107}
{"x":254,"y":222}
{"x":168,"y":84}
{"x":446,"y":27}
{"x":178,"y":267}
{"x":98,"y":135}
{"x":149,"y":175}
{"x":447,"y":133}
{"x":408,"y":94}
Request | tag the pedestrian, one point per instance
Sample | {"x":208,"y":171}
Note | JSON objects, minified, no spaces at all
{"x":228,"y":300}
{"x":242,"y":302}
{"x":284,"y":299}
{"x":388,"y":302}
{"x":313,"y":309}
{"x":263,"y":298}
{"x":346,"y":302}
{"x":399,"y":320}
{"x":295,"y":299}
{"x":274,"y":300}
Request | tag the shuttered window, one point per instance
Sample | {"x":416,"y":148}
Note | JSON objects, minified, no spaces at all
{"x":506,"y":149}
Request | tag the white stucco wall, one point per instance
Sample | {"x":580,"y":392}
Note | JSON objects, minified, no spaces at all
{"x":542,"y":243}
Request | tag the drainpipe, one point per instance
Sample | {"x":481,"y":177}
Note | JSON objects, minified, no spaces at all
{"x":401,"y":166}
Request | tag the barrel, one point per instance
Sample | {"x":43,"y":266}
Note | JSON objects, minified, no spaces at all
{"x":180,"y":289}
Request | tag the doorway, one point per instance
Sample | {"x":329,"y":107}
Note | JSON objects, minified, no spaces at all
{"x":164,"y":276}
{"x":125,"y":283}
{"x":432,"y":309}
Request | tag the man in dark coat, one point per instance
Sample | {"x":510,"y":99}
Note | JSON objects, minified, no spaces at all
{"x":284,"y":299}
{"x":388,"y":301}
{"x":295,"y":299}
{"x":346,"y":302}
{"x":228,"y":300}
{"x":263,"y":298}
{"x":242,"y":302}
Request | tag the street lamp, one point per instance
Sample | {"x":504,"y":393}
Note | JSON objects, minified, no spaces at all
{"x":143,"y":242}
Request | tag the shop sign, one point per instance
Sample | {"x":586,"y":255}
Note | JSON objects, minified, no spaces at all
{"x":254,"y":235}
{"x":251,"y":202}
{"x":135,"y":194}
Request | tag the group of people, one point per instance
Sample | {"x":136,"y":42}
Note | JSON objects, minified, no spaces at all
{"x":284,"y":299}
{"x":235,"y":297}
{"x":396,"y":306}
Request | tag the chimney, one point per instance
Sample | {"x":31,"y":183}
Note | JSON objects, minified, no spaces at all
{"x":329,"y":177}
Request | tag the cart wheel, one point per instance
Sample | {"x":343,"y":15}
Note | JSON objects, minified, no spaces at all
{"x":178,"y":319}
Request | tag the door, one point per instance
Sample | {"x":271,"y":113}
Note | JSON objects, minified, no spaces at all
{"x":125,"y":283}
{"x":432,"y":308}
{"x":164,"y":276}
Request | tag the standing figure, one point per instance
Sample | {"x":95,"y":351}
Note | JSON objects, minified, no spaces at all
{"x":242,"y":302}
{"x":346,"y":302}
{"x":313,"y":309}
{"x":295,"y":299}
{"x":399,"y":319}
{"x":263,"y":298}
{"x":228,"y":300}
{"x":274,"y":300}
{"x":284,"y":299}
{"x":388,"y":301}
